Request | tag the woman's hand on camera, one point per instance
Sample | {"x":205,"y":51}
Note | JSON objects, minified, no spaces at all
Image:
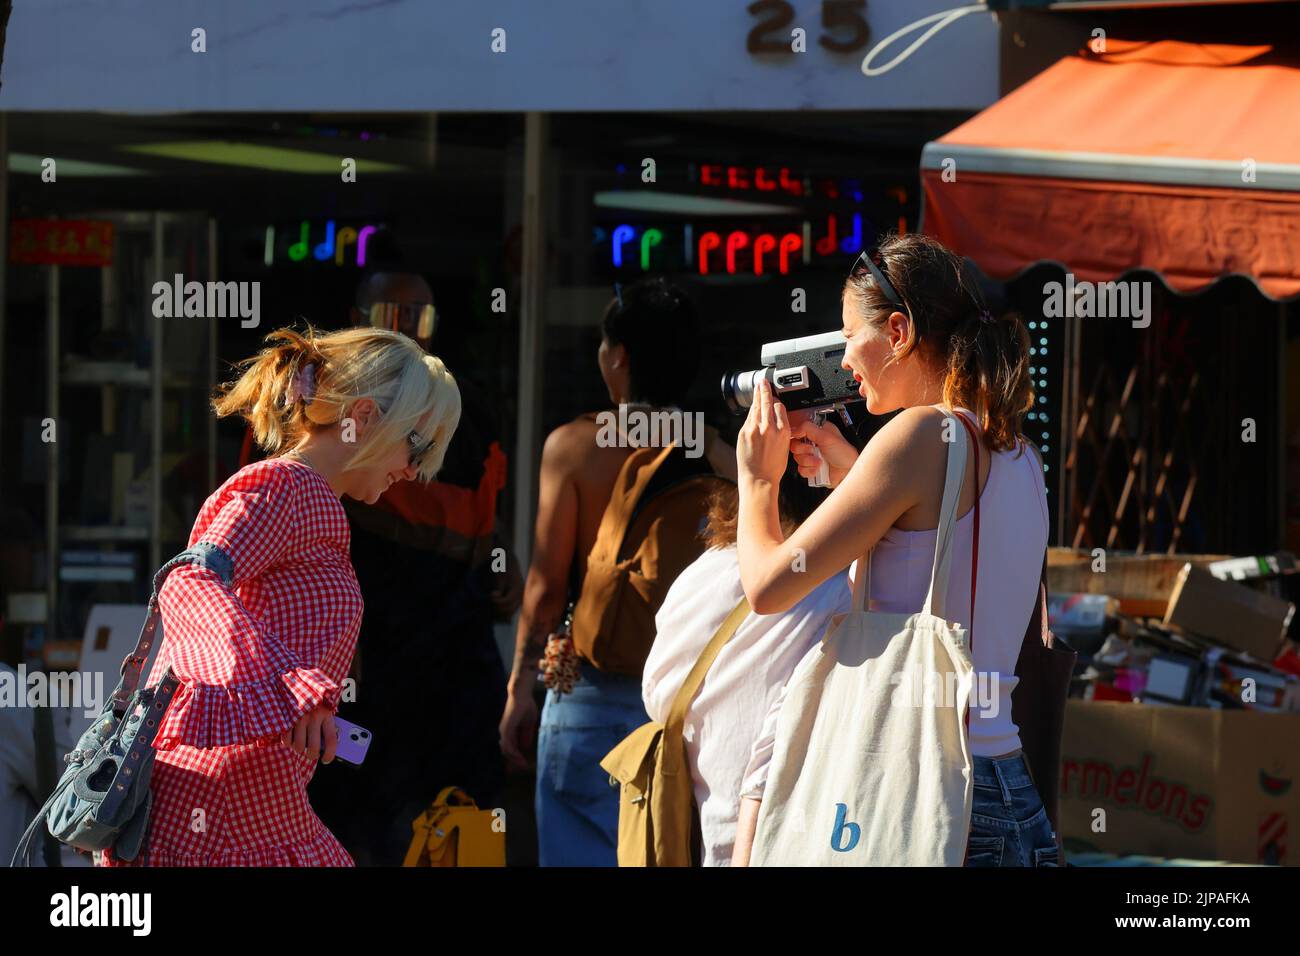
{"x":806,"y":435}
{"x":764,"y":439}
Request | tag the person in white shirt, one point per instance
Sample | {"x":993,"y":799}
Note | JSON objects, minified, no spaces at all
{"x":20,"y":793}
{"x":729,"y":729}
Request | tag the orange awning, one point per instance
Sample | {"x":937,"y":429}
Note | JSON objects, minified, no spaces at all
{"x":1179,"y":158}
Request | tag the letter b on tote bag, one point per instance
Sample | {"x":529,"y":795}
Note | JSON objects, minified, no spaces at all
{"x":867,"y":771}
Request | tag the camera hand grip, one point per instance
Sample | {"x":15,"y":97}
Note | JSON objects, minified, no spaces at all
{"x":823,"y":477}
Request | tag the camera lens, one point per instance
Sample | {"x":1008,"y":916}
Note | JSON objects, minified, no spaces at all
{"x":738,"y":389}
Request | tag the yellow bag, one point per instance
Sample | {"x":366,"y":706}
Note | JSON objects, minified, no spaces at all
{"x":455,"y":832}
{"x":656,"y":812}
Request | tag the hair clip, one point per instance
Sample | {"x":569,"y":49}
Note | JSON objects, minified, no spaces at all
{"x":302,"y":387}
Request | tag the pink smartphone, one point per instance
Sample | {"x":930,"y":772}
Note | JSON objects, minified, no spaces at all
{"x":354,"y":742}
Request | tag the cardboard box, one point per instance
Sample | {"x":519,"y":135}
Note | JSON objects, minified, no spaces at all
{"x":1195,"y":782}
{"x":1141,"y":583}
{"x":1229,"y":613}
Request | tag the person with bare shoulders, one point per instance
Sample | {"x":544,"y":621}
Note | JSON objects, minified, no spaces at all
{"x":648,"y":355}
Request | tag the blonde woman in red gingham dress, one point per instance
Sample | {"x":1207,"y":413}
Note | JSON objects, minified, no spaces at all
{"x":262,"y":662}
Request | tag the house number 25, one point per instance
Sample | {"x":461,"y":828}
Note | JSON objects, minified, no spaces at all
{"x":844,"y":26}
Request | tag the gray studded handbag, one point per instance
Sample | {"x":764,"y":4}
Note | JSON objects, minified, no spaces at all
{"x":103,"y":798}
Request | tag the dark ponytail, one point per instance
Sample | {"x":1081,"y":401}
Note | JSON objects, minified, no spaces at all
{"x":985,"y":357}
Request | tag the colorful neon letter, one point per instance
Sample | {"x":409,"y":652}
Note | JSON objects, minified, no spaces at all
{"x":649,"y":239}
{"x":764,"y":242}
{"x":346,"y":235}
{"x":362,"y":237}
{"x":735,"y":242}
{"x":708,"y":242}
{"x":326,"y":249}
{"x":826,"y":244}
{"x":622,"y":235}
{"x":852,"y":242}
{"x":298,"y":251}
{"x":790,"y":242}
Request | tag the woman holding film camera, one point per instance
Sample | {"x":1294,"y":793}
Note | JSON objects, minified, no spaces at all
{"x":920,"y":343}
{"x":262,"y":659}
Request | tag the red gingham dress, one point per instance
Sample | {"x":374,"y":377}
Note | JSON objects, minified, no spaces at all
{"x":251,"y":660}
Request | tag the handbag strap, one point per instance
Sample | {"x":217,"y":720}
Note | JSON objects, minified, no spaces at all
{"x":1044,"y":625}
{"x":206,"y":555}
{"x":682,"y":702}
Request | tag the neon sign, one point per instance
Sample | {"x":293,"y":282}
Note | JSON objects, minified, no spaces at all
{"x":772,"y":179}
{"x":717,"y":252}
{"x":335,"y":244}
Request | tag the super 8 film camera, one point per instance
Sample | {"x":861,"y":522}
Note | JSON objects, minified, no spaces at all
{"x":805,"y":373}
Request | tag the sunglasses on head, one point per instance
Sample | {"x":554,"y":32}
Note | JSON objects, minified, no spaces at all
{"x":872,"y":263}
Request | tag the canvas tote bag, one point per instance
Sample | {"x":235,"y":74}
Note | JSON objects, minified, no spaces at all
{"x":866,"y":770}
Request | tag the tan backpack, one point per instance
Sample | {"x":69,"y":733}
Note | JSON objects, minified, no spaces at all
{"x":657,"y":816}
{"x":650,"y":532}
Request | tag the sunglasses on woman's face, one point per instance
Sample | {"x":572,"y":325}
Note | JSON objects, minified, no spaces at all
{"x":417,"y":449}
{"x":873,"y":263}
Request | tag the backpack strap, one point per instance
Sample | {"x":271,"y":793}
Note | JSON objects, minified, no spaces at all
{"x":633,"y":478}
{"x":682,"y":702}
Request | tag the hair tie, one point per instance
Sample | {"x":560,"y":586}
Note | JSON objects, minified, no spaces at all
{"x":303,"y":386}
{"x":985,"y":317}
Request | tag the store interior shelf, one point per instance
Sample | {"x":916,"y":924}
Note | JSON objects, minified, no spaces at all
{"x":103,"y":533}
{"x":117,"y":373}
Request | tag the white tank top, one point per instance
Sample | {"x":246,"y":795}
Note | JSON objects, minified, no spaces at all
{"x":1013,"y":534}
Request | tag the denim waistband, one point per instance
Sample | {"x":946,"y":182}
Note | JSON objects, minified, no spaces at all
{"x":1002,"y":772}
{"x":599,"y":678}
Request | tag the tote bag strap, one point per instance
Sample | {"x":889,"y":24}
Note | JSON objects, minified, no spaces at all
{"x":975,"y":537}
{"x":974,"y":551}
{"x":936,"y":599}
{"x":953,"y":479}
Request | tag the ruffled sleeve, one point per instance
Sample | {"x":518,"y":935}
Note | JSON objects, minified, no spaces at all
{"x":238,"y":680}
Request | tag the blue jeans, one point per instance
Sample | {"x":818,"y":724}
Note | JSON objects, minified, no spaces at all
{"x":1009,"y":825}
{"x":577,"y":809}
